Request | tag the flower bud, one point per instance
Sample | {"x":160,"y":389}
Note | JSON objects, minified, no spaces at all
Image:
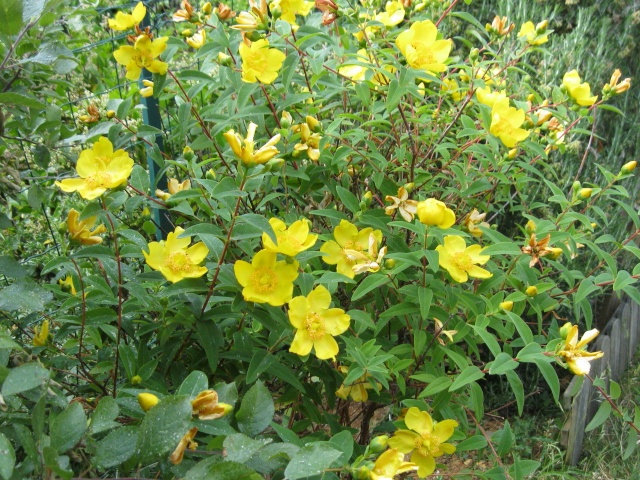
{"x":146,"y":213}
{"x":136,"y":380}
{"x":564,"y":330}
{"x":224,"y":59}
{"x":542,"y":26}
{"x":207,"y":8}
{"x":210,"y":174}
{"x":554,"y":253}
{"x":274,"y":165}
{"x":530,"y":227}
{"x":513,"y":153}
{"x":187,"y":32}
{"x":508,"y":305}
{"x":531,"y":291}
{"x":314,"y":125}
{"x":363,"y":472}
{"x":474,"y":54}
{"x":286,"y":120}
{"x":111,"y":113}
{"x":378,"y":444}
{"x":585,"y":193}
{"x":187,"y":153}
{"x":367,"y":197}
{"x":147,"y":401}
{"x":409,"y":187}
{"x":594,"y":225}
{"x":629,"y":167}
{"x":389,"y":263}
{"x":576,"y":186}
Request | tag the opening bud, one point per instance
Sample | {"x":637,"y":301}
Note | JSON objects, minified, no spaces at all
{"x":508,"y":305}
{"x":585,"y":193}
{"x":629,"y":167}
{"x":564,"y":330}
{"x":147,"y":401}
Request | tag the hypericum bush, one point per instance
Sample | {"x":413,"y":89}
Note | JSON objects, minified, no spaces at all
{"x":371,"y":241}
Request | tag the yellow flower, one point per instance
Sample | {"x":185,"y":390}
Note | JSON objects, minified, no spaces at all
{"x":291,"y":8}
{"x":348,"y":240}
{"x":461,"y":261}
{"x":435,"y":213}
{"x":41,"y":334}
{"x":244,"y":147}
{"x":451,"y":87}
{"x":406,"y":207}
{"x":185,"y":442}
{"x":266,"y":280}
{"x":487,"y":97}
{"x":425,"y":440}
{"x":439,"y":331}
{"x":174,"y":186}
{"x":316,"y":324}
{"x":259,"y":62}
{"x":197,"y":39}
{"x":147,"y":90}
{"x":175,"y":259}
{"x":67,"y":285}
{"x":309,"y":142}
{"x":500,"y":26}
{"x":147,"y":401}
{"x":506,"y":121}
{"x":125,"y":21}
{"x":290,"y":241}
{"x":422,"y":50}
{"x":614,"y":87}
{"x":80,"y":231}
{"x":473,"y":220}
{"x":207,"y":407}
{"x":390,"y":464}
{"x":530,"y":33}
{"x":356,"y":390}
{"x":143,"y":54}
{"x":100,"y":168}
{"x":574,"y":353}
{"x":393,"y":14}
{"x":580,"y":92}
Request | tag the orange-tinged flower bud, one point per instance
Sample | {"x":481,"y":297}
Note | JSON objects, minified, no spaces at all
{"x":508,"y":305}
{"x":147,"y":401}
{"x":629,"y":167}
{"x":531,"y":291}
{"x":206,"y":406}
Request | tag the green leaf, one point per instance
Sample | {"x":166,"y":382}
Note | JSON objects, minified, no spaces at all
{"x":260,"y":362}
{"x":502,"y":364}
{"x":550,"y":375}
{"x":11,"y":14}
{"x":10,"y":98}
{"x":59,"y":464}
{"x":287,"y":435}
{"x":10,"y":268}
{"x":502,"y":248}
{"x":348,"y":199}
{"x":7,"y":457}
{"x":614,"y":390}
{"x":216,"y":468}
{"x":68,"y":427}
{"x":468,"y":375}
{"x":6,"y":343}
{"x":195,"y":383}
{"x":163,"y":426}
{"x":425,"y":296}
{"x":26,"y":295}
{"x":600,"y":417}
{"x":209,"y":337}
{"x":140,"y":178}
{"x":506,"y":439}
{"x":517,"y":387}
{"x":23,"y":378}
{"x":260,"y":223}
{"x":472,"y":443}
{"x":256,"y":411}
{"x":103,"y":417}
{"x":632,"y":443}
{"x":368,"y":284}
{"x":437,"y":386}
{"x":117,"y":447}
{"x":311,"y":460}
{"x":241,"y":448}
